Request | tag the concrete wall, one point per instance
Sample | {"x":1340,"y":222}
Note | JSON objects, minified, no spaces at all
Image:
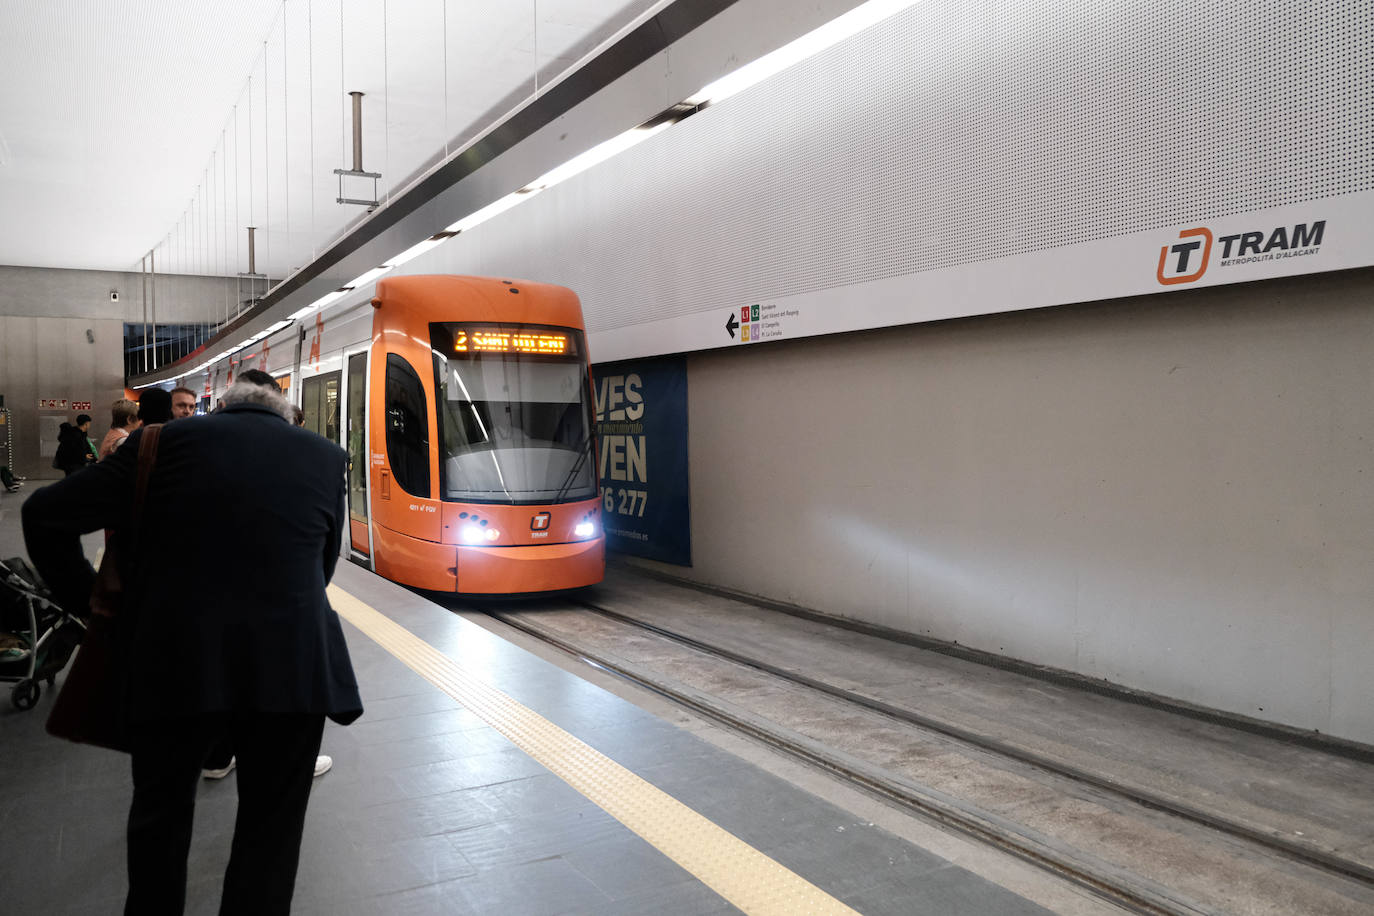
{"x":52,"y":358}
{"x":48,"y":292}
{"x":1174,"y":492}
{"x":45,"y":353}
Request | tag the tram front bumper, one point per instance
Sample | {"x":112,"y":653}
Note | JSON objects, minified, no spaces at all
{"x":532,"y":568}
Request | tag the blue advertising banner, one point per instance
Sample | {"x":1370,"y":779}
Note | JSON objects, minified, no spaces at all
{"x":641,"y":427}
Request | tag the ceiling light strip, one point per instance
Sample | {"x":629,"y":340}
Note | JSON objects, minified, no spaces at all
{"x":810,"y":44}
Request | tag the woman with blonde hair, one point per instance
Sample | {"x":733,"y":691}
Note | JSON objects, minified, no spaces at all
{"x":123,"y":420}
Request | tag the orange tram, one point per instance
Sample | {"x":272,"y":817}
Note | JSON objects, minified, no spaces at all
{"x":468,"y":415}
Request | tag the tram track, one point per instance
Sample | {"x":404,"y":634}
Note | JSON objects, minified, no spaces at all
{"x":1133,"y":896}
{"x":1098,"y":876}
{"x":1270,"y":840}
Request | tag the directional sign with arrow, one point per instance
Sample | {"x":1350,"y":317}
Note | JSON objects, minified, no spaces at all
{"x":731,"y":324}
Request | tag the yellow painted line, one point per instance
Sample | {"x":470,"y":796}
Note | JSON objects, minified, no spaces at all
{"x":732,"y":868}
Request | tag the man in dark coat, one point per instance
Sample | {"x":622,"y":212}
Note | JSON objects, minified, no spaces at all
{"x":231,"y":632}
{"x":73,"y":447}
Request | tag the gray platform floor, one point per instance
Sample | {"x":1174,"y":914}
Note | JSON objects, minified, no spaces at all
{"x":430,"y":810}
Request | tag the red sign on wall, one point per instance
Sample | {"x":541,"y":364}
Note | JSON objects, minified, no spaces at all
{"x":52,"y":403}
{"x":81,"y":405}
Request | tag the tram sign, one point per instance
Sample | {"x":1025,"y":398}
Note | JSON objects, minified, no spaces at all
{"x":495,"y":340}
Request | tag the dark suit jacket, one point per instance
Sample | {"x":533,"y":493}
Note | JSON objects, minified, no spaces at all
{"x":238,"y":536}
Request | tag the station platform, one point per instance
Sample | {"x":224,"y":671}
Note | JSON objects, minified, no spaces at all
{"x":649,"y":747}
{"x":484,"y":778}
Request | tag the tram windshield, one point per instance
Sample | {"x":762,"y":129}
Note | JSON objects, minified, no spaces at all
{"x":515,"y":418}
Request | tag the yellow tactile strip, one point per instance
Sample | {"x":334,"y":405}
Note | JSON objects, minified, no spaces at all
{"x":732,"y":868}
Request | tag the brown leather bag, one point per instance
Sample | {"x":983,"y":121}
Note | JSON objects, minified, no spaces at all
{"x":89,"y":709}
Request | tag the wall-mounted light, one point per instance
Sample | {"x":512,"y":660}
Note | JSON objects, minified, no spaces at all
{"x":414,"y":251}
{"x":812,"y":43}
{"x":368,"y":277}
{"x":319,"y":303}
{"x":574,"y":166}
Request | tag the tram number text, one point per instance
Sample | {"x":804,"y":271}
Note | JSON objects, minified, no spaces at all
{"x":630,"y":502}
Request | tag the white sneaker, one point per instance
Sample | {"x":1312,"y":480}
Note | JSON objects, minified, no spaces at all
{"x":323,"y":764}
{"x":219,"y":774}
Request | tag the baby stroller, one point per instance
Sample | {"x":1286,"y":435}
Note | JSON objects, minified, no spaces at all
{"x":37,"y":637}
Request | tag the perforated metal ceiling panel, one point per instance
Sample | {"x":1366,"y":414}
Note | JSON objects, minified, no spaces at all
{"x":957,"y":133}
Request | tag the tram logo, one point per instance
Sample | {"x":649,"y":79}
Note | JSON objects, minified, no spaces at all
{"x":1187,"y":264}
{"x":540,"y":522}
{"x":1187,"y":259}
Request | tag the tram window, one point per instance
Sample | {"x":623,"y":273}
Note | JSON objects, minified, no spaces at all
{"x":357,"y":455}
{"x":407,"y":427}
{"x":514,"y":425}
{"x":320,"y":401}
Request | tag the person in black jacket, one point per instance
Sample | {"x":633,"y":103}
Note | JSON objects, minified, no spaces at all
{"x":245,"y":646}
{"x":74,"y":449}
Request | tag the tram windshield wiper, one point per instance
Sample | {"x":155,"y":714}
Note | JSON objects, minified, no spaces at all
{"x":583,"y":452}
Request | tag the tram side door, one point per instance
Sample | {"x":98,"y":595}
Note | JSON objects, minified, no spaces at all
{"x":357,"y":452}
{"x":320,"y":402}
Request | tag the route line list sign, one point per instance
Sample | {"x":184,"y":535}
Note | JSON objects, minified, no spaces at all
{"x":766,"y":321}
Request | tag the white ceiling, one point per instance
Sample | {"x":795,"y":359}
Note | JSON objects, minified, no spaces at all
{"x":167,"y":124}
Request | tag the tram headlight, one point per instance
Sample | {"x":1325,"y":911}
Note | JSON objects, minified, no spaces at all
{"x":584,"y":529}
{"x":475,"y":534}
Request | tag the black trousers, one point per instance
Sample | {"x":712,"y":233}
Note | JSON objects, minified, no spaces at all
{"x":276,"y":765}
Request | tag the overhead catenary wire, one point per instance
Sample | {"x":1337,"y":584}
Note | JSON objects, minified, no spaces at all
{"x":343,"y":89}
{"x":445,"y":56}
{"x":285,"y":147}
{"x":266,"y":178}
{"x":224,"y":214}
{"x":143,"y":268}
{"x":206,"y":267}
{"x":238,"y":254}
{"x":196,"y":248}
{"x":192,"y":265}
{"x":310,"y":108}
{"x":251,"y":202}
{"x":179,"y":287}
{"x":197,"y":270}
{"x":222,"y":242}
{"x":212,"y":243}
{"x":386,"y":105}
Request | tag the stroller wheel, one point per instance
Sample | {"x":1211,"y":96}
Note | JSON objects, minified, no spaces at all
{"x":25,"y":694}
